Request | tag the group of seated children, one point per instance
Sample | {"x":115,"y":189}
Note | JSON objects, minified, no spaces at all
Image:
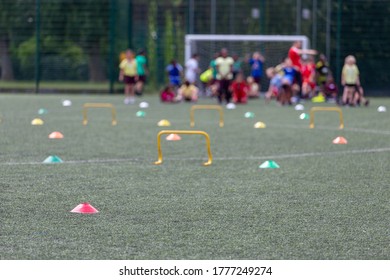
{"x":287,"y":83}
{"x":314,"y":80}
{"x":283,"y":82}
{"x":186,"y":92}
{"x":241,"y":90}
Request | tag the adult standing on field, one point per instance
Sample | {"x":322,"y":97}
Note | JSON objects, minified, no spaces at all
{"x":224,"y":65}
{"x":192,"y":69}
{"x":294,"y":53}
{"x":141,"y":71}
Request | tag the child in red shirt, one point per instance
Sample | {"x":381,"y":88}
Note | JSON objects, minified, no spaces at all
{"x":308,"y":78}
{"x":239,"y":89}
{"x":168,"y":95}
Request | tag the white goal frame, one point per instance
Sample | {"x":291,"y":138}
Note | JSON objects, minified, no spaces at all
{"x":189,"y":38}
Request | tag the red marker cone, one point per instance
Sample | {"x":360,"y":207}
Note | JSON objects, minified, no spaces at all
{"x":56,"y":135}
{"x":85,"y":208}
{"x":340,"y":140}
{"x":173,"y":137}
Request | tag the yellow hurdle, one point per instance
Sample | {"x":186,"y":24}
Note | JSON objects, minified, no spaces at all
{"x":317,"y":109}
{"x":206,"y":107}
{"x":192,"y":132}
{"x":99,"y":105}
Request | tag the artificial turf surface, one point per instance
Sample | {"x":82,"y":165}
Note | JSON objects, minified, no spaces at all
{"x":326,"y":201}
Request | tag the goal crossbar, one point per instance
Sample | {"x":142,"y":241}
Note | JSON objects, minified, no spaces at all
{"x":230,"y":37}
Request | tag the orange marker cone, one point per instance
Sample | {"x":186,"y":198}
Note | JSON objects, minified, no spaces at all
{"x":56,"y":135}
{"x":340,"y":140}
{"x":173,"y":137}
{"x":85,"y":208}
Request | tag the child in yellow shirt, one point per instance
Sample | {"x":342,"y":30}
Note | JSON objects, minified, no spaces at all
{"x":128,"y":74}
{"x":188,"y":92}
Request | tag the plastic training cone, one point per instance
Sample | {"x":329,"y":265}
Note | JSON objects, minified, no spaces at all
{"x":381,"y":109}
{"x":42,"y":111}
{"x":299,"y":107}
{"x":140,"y":114}
{"x":260,"y":125}
{"x":231,"y":106}
{"x":144,"y":104}
{"x":85,"y":208}
{"x":340,"y":140}
{"x":66,"y":103}
{"x":37,"y":121}
{"x":269,"y":164}
{"x":173,"y":137}
{"x":56,"y":135}
{"x":304,"y":116}
{"x":249,"y":115}
{"x":164,"y":123}
{"x":53,"y":159}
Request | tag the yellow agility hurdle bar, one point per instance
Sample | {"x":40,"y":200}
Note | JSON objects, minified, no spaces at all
{"x":99,"y":105}
{"x":318,"y":109}
{"x":206,"y":107}
{"x":192,"y":132}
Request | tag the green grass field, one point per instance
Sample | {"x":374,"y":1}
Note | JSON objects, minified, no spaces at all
{"x":325,"y":201}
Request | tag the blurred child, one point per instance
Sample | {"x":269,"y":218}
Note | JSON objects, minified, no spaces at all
{"x":289,"y":85}
{"x":322,"y":71}
{"x":274,"y":84}
{"x":308,"y":77}
{"x":236,"y":65}
{"x":168,"y":95}
{"x":207,"y":79}
{"x":188,"y":92}
{"x":175,"y":71}
{"x":256,"y":63}
{"x":330,"y":90}
{"x":253,"y":88}
{"x":359,"y":97}
{"x":128,"y":74}
{"x":142,"y":71}
{"x":239,"y":89}
{"x":350,"y":80}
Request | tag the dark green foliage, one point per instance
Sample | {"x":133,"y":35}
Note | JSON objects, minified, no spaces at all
{"x":364,"y":32}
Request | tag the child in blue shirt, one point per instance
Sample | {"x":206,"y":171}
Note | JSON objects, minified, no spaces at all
{"x":256,"y":63}
{"x":174,"y":71}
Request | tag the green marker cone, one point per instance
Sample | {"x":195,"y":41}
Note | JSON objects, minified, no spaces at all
{"x":249,"y":115}
{"x":269,"y":164}
{"x":140,"y":114}
{"x":53,"y":159}
{"x":42,"y":111}
{"x":304,"y":116}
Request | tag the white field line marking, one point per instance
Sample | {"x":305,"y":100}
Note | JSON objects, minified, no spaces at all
{"x":113,"y":160}
{"x":314,"y":154}
{"x":282,"y":156}
{"x":372,"y":131}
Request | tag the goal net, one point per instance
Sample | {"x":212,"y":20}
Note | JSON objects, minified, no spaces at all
{"x":274,"y":48}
